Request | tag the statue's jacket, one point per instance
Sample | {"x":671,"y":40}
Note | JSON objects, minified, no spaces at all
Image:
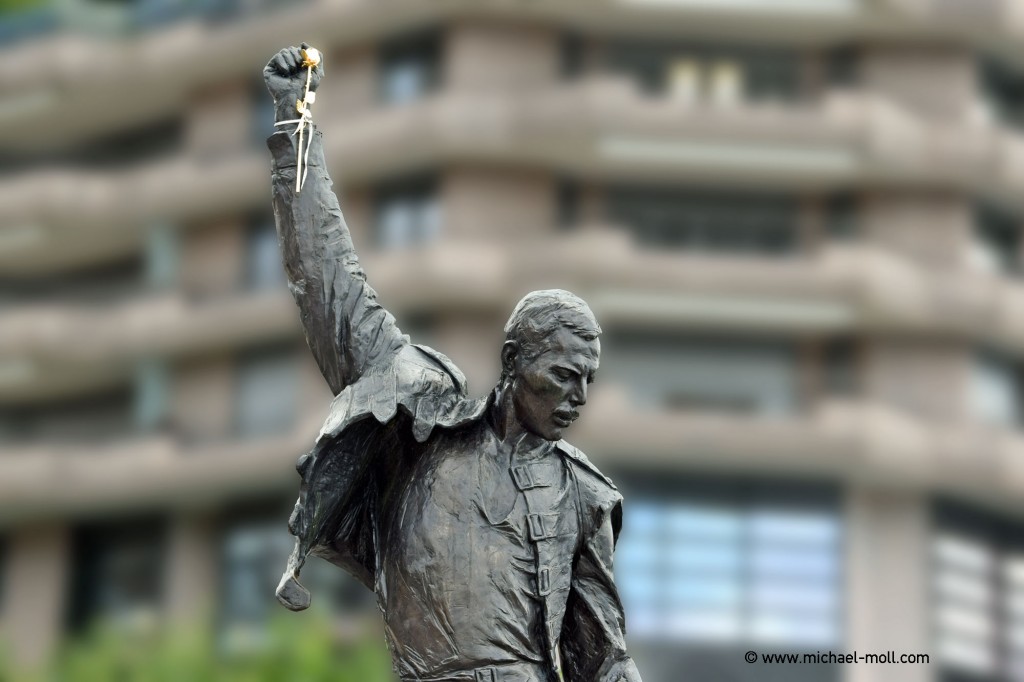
{"x":393,"y":401}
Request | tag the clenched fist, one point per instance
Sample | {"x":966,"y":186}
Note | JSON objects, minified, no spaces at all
{"x":286,"y":80}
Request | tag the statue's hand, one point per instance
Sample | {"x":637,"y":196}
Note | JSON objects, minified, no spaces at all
{"x":286,"y":80}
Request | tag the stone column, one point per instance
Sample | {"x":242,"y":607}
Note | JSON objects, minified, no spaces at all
{"x":935,"y":82}
{"x":191,"y":582}
{"x":38,"y":563}
{"x":887,"y":582}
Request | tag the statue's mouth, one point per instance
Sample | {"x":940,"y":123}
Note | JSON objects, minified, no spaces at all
{"x":565,"y":417}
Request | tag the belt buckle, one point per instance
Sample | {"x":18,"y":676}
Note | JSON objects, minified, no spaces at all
{"x":536,"y":525}
{"x":486,"y":675}
{"x":544,"y":581}
{"x":522,"y":476}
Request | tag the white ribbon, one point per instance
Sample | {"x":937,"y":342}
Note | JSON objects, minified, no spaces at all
{"x":305,"y":117}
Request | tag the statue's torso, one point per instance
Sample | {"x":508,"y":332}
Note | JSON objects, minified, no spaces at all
{"x":459,"y":573}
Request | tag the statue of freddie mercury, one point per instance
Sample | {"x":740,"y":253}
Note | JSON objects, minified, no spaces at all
{"x":487,"y":539}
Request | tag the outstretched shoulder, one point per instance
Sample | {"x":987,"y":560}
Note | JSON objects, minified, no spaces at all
{"x":420,"y":381}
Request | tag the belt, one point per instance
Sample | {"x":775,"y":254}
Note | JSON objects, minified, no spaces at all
{"x":509,"y":672}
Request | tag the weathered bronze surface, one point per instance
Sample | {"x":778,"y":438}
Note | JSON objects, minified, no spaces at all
{"x":487,"y":539}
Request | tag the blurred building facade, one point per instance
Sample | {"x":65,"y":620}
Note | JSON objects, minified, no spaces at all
{"x":798,"y":221}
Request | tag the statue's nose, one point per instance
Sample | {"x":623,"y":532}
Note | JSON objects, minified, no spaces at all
{"x":579,"y":394}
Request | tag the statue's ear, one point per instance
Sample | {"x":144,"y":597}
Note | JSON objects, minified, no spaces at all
{"x":509,"y":353}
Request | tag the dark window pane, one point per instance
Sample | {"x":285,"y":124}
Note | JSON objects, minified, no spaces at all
{"x":571,"y":55}
{"x":407,"y":213}
{"x":92,"y":417}
{"x":93,"y":284}
{"x":267,"y":391}
{"x":842,"y":220}
{"x":843,"y":66}
{"x":568,"y":204}
{"x":997,"y":239}
{"x":707,"y":221}
{"x":709,"y":72}
{"x":1002,"y":87}
{"x":840,"y":361}
{"x":255,"y":548}
{"x":116,"y":150}
{"x":409,"y":68}
{"x":263,"y":114}
{"x":117,"y":574}
{"x":697,"y":373}
{"x":263,"y":266}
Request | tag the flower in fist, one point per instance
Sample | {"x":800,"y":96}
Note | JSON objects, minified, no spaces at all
{"x":285,"y":76}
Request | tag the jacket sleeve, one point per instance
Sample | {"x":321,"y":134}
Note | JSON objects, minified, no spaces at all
{"x":347,"y":330}
{"x":593,"y":645}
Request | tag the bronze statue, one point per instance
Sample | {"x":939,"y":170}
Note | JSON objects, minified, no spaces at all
{"x":487,"y":539}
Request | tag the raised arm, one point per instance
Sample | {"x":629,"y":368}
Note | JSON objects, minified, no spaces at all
{"x":346,"y":328}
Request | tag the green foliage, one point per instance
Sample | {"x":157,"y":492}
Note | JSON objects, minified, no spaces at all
{"x":14,"y":6}
{"x":294,"y":649}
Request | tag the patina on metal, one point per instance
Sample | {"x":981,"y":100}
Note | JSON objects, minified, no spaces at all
{"x":487,"y":539}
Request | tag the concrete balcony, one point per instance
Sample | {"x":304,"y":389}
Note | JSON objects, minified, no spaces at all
{"x":61,"y":73}
{"x":840,"y":440}
{"x":601,"y":129}
{"x":50,"y":481}
{"x":856,"y":289}
{"x":845,"y":441}
{"x":1001,"y":19}
{"x":50,"y":350}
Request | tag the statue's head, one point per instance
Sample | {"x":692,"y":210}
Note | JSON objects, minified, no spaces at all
{"x":550,"y":355}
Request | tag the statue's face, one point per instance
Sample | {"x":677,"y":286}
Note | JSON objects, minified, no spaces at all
{"x":549,"y":389}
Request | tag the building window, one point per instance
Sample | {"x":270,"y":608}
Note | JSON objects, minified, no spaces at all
{"x":144,"y":143}
{"x":842,"y":67}
{"x":267,"y":392}
{"x":732,"y":564}
{"x":572,"y":55}
{"x":709,"y":222}
{"x":706,"y":374}
{"x":152,"y":394}
{"x":997,"y":240}
{"x":978,"y":589}
{"x":409,"y":68}
{"x":263,"y":264}
{"x":93,"y":285}
{"x":840,"y":367}
{"x":721,"y":75}
{"x":88,"y":418}
{"x":118,"y":574}
{"x":263,"y":114}
{"x":407,"y":213}
{"x":1002,"y":90}
{"x":256,"y":545}
{"x":842,"y":218}
{"x":994,"y":396}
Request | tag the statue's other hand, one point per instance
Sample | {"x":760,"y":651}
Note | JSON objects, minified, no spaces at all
{"x":286,"y":78}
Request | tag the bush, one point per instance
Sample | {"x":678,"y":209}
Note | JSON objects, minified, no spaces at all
{"x":295,"y":649}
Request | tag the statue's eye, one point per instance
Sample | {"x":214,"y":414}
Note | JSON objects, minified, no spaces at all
{"x":563,"y":374}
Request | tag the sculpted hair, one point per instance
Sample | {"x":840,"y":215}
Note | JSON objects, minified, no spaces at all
{"x":540,"y":313}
